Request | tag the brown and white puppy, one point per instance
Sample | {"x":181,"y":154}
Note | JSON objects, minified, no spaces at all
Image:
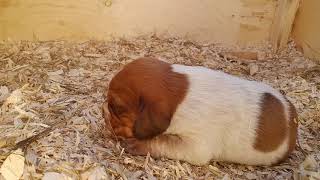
{"x":196,"y":114}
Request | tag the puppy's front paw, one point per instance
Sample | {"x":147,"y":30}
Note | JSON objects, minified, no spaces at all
{"x":135,"y":147}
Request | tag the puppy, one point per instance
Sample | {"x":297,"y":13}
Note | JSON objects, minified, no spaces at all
{"x":196,"y":114}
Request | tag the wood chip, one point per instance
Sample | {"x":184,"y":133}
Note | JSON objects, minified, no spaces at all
{"x":4,"y":93}
{"x":55,"y":175}
{"x":241,"y":55}
{"x":93,"y":55}
{"x":95,"y":173}
{"x":253,"y":69}
{"x":12,"y":168}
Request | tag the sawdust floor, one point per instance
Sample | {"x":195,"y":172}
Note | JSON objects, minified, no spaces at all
{"x":58,"y":86}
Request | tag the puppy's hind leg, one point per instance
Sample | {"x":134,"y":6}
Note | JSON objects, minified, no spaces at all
{"x":169,"y":146}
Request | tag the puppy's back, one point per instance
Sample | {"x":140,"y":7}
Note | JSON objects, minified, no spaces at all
{"x":238,"y":120}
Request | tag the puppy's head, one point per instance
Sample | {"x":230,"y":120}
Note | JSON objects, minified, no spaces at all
{"x":143,"y":97}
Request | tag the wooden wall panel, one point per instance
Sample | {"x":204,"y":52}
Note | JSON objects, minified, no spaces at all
{"x":306,"y":30}
{"x":227,"y":21}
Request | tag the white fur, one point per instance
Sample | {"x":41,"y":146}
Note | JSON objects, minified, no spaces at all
{"x":218,"y":119}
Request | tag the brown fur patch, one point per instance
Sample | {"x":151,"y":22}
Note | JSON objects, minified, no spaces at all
{"x":293,"y":127}
{"x":293,"y":130}
{"x":272,"y":125}
{"x":143,"y":96}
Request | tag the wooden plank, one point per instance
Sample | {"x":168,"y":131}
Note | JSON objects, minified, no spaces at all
{"x":307,"y":28}
{"x":282,"y":26}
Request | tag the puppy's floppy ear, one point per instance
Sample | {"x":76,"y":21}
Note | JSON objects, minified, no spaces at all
{"x":153,"y":119}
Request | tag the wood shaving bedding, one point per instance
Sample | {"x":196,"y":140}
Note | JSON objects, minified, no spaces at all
{"x":43,"y":83}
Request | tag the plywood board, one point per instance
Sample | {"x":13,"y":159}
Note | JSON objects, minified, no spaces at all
{"x":282,"y":26}
{"x":307,"y":29}
{"x":228,"y":21}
